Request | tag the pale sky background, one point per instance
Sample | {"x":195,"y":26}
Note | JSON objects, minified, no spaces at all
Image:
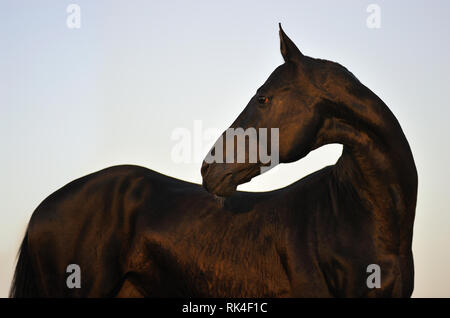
{"x":73,"y":101}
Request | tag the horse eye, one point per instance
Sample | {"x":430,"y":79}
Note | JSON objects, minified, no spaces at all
{"x":263,"y":99}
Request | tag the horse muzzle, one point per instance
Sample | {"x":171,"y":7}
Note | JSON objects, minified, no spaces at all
{"x":218,"y":179}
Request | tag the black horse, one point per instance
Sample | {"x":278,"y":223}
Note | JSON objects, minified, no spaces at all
{"x":135,"y":232}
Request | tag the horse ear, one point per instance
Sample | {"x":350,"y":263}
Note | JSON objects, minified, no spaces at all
{"x":288,"y":49}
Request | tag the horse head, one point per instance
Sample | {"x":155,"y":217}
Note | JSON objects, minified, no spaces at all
{"x":292,"y":102}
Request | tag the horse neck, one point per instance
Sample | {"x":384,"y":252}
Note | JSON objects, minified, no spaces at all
{"x":376,"y":162}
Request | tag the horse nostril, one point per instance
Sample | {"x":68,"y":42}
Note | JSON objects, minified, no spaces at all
{"x":204,"y":169}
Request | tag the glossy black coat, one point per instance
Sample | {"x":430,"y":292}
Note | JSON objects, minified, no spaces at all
{"x":135,"y":232}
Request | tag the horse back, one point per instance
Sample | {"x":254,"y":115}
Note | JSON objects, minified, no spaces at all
{"x":93,"y":222}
